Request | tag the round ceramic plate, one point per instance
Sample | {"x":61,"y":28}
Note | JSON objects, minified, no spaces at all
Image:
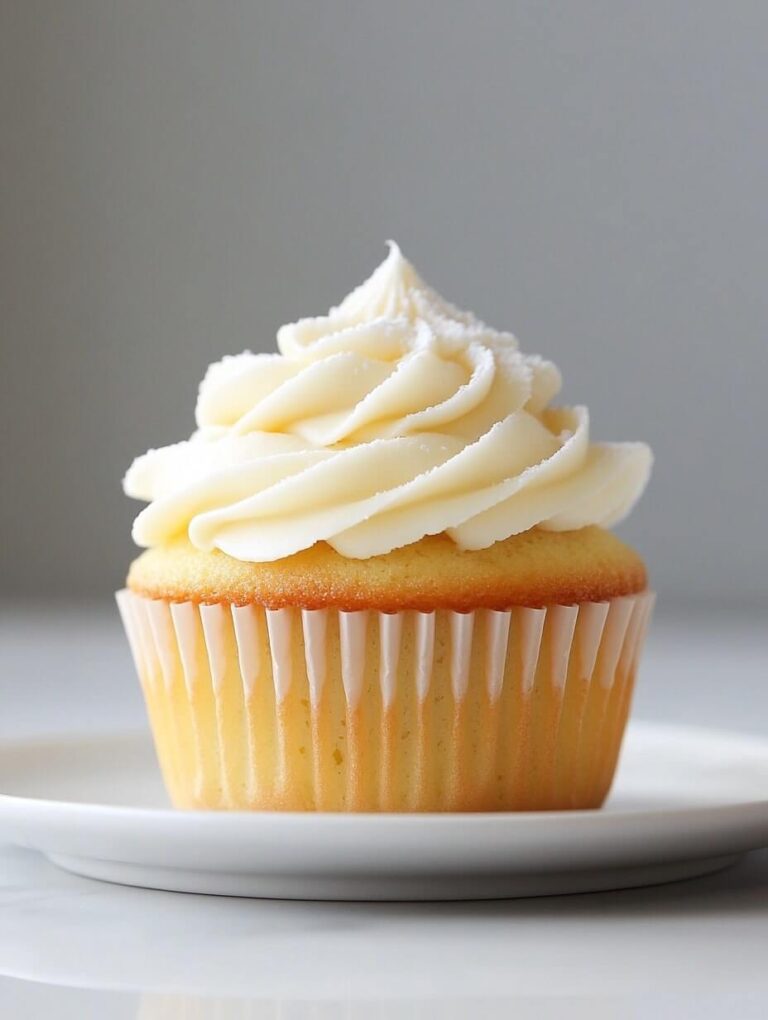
{"x":685,"y":803}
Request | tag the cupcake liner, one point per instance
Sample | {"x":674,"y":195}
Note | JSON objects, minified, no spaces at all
{"x":296,"y":709}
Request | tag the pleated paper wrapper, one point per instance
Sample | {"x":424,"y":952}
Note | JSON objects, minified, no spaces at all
{"x":295,"y":709}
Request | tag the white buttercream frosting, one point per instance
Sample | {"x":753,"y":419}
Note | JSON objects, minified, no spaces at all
{"x":393,"y":417}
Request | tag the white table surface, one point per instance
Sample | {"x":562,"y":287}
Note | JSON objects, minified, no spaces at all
{"x":73,"y":948}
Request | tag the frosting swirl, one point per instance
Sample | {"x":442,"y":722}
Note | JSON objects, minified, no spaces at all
{"x":393,"y":417}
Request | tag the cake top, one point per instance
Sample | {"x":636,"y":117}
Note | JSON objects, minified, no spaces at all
{"x":393,"y":417}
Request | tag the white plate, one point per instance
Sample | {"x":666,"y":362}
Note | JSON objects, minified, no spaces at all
{"x":685,"y":803}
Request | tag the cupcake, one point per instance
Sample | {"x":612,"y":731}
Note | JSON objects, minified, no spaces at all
{"x":378,"y":575}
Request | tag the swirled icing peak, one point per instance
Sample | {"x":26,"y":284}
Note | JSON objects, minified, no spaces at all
{"x":393,"y":417}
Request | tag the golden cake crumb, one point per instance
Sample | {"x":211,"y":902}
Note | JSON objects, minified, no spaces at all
{"x":535,"y":568}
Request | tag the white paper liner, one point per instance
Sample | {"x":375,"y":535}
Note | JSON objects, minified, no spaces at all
{"x":165,"y":639}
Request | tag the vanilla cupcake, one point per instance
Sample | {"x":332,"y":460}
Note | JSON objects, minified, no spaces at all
{"x":378,"y":576}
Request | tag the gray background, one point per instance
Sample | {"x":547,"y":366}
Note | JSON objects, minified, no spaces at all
{"x":179,"y":178}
